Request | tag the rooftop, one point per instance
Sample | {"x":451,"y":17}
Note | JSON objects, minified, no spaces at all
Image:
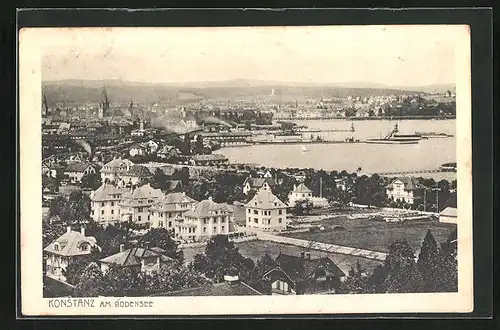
{"x":301,"y":188}
{"x":78,"y":167}
{"x":449,"y":212}
{"x":133,"y":256}
{"x":210,"y":157}
{"x":300,"y":268}
{"x":107,"y":192}
{"x":220,"y":289}
{"x":207,"y":208}
{"x":70,"y":243}
{"x":409,"y":183}
{"x":265,"y":199}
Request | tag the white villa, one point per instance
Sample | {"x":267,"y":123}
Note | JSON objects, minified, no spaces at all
{"x":265,"y":212}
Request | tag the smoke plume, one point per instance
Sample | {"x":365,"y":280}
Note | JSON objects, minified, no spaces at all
{"x":84,"y":144}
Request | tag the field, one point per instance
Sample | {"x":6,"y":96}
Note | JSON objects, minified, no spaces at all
{"x":256,"y":249}
{"x":377,"y":235}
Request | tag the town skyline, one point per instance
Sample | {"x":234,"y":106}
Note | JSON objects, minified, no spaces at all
{"x":319,"y":55}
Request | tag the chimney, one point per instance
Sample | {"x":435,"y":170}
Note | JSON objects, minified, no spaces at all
{"x":302,"y":254}
{"x":210,"y":198}
{"x":308,"y":255}
{"x":146,"y":245}
{"x":68,"y":229}
{"x":122,"y":247}
{"x":82,"y":231}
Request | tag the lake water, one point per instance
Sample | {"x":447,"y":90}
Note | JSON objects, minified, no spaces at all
{"x":372,"y":158}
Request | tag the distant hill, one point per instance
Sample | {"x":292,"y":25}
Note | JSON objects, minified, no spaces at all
{"x":81,"y":91}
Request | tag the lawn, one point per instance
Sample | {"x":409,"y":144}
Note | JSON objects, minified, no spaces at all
{"x":256,"y":249}
{"x":377,"y":235}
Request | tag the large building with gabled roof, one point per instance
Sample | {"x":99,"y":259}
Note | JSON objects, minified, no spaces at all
{"x":205,"y":219}
{"x":265,"y":212}
{"x":65,"y":249}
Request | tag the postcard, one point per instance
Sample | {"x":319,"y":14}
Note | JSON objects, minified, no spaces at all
{"x":245,"y":170}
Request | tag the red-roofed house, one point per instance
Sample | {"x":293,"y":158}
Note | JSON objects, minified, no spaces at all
{"x":64,"y":250}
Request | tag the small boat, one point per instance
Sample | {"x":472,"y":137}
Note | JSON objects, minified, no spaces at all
{"x":304,"y":149}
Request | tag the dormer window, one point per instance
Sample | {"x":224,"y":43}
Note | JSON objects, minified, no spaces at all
{"x":56,"y":246}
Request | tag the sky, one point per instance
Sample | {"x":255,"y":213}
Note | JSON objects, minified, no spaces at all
{"x":388,"y":55}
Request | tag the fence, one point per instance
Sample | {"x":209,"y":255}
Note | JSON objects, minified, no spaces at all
{"x":246,"y":238}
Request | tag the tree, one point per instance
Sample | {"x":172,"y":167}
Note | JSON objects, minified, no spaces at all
{"x":160,"y":180}
{"x":91,"y":181}
{"x":220,"y":255}
{"x":403,"y":275}
{"x":51,"y":231}
{"x":264,"y":264}
{"x":302,"y":207}
{"x":449,"y":270}
{"x":429,"y":263}
{"x":198,"y":146}
{"x":160,"y":237}
{"x":355,"y":281}
{"x":89,"y":282}
{"x":75,"y":269}
{"x":121,"y":281}
{"x":172,"y":277}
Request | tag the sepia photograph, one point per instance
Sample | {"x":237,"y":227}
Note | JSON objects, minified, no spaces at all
{"x":306,"y":169}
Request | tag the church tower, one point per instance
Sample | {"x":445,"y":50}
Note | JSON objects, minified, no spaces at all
{"x":45,"y":106}
{"x":104,"y":105}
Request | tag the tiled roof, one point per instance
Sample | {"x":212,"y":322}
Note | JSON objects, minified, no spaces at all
{"x":409,"y":183}
{"x":115,"y":164}
{"x":265,"y":199}
{"x":207,"y":208}
{"x":301,"y":188}
{"x":69,"y":244}
{"x":78,"y":167}
{"x":105,"y":192}
{"x":133,"y":256}
{"x":145,"y":192}
{"x":449,"y":212}
{"x":300,"y":268}
{"x":138,"y":170}
{"x":257,"y":183}
{"x":220,"y":289}
{"x":170,"y":201}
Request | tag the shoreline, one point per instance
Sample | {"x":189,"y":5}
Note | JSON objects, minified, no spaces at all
{"x":369,"y":118}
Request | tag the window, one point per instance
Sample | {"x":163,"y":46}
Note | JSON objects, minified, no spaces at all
{"x":112,"y":211}
{"x":170,"y":224}
{"x":162,"y":214}
{"x":56,"y":247}
{"x":275,"y":204}
{"x":222,"y":228}
{"x":170,"y":215}
{"x":139,"y":218}
{"x":112,"y":203}
{"x":279,"y":220}
{"x":92,"y":212}
{"x":215,"y":229}
{"x":161,"y":224}
{"x":249,"y":211}
{"x":249,"y":219}
{"x":140,"y":209}
{"x":204,"y":229}
{"x":280,"y":212}
{"x":255,"y":220}
{"x":102,"y":212}
{"x":255,"y":212}
{"x":103,"y":203}
{"x":204,"y":221}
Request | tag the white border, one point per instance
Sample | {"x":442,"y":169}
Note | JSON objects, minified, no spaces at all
{"x":33,"y":304}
